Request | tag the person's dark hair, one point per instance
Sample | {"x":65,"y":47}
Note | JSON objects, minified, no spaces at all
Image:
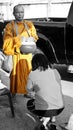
{"x":40,"y":61}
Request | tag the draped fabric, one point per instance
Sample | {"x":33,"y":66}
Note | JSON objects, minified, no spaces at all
{"x":21,"y":62}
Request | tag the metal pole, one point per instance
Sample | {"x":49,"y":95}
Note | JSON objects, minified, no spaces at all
{"x":48,"y":9}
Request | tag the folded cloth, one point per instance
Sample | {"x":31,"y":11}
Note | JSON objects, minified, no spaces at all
{"x":5,"y":78}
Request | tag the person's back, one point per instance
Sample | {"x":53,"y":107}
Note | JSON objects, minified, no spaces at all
{"x":48,"y":95}
{"x":47,"y":85}
{"x":44,"y":86}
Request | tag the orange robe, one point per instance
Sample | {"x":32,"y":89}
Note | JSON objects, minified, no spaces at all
{"x":21,"y":62}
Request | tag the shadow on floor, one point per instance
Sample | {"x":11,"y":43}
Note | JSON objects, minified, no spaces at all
{"x":24,"y":120}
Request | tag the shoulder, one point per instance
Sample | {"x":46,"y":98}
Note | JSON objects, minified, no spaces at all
{"x":10,"y":24}
{"x":29,"y":23}
{"x":33,"y":74}
{"x":57,"y":74}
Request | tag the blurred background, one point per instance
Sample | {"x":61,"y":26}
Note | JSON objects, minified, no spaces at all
{"x":36,"y":9}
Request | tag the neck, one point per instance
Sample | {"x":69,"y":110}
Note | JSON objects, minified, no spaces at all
{"x":19,"y":21}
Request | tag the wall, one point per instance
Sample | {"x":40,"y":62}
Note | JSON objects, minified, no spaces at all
{"x":37,"y":9}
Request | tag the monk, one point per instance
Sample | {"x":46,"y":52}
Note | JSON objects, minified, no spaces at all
{"x":14,"y":33}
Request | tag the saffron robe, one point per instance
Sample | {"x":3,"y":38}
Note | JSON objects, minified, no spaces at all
{"x":21,"y":62}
